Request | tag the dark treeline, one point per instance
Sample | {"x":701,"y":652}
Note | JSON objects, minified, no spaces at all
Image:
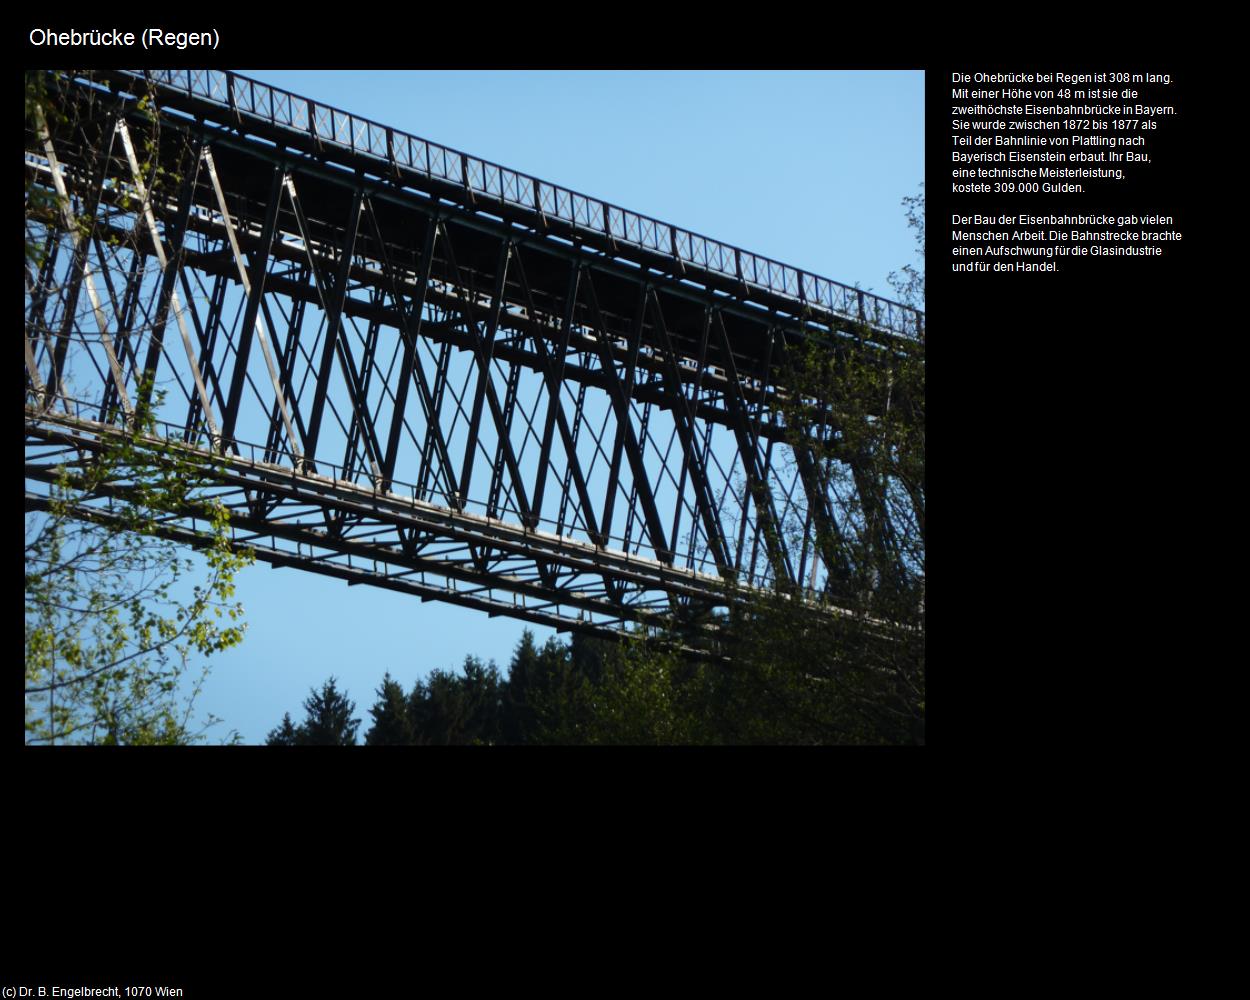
{"x":545,"y":697}
{"x":587,"y":691}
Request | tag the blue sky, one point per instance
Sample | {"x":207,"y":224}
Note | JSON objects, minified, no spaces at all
{"x":808,"y":168}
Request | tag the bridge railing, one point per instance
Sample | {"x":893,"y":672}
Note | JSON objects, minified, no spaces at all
{"x":483,"y":178}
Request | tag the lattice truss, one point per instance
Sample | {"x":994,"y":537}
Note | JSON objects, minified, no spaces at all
{"x":411,"y":393}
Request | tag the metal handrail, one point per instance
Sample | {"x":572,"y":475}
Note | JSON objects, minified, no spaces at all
{"x":490,"y":180}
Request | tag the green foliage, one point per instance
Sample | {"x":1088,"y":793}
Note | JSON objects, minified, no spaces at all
{"x":523,"y":675}
{"x":392,"y":725}
{"x":543,"y":699}
{"x":329,"y":721}
{"x":109,"y":641}
{"x":645,"y":695}
{"x":873,"y":461}
{"x":909,"y":283}
{"x":450,"y":710}
{"x":286,"y":735}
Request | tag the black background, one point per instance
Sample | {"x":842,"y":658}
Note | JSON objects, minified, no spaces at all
{"x":1053,"y":405}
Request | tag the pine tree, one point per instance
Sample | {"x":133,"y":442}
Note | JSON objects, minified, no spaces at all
{"x":561,"y":690}
{"x":286,"y":735}
{"x":518,"y":713}
{"x":392,"y":725}
{"x":448,"y":709}
{"x":438,"y":709}
{"x":329,"y":721}
{"x":484,"y":692}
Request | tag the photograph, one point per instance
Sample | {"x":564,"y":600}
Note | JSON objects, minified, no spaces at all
{"x":570,"y":406}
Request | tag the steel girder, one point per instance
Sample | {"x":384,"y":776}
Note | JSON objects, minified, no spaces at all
{"x":418,"y":394}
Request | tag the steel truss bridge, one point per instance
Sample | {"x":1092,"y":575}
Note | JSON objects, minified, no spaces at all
{"x":407,"y":367}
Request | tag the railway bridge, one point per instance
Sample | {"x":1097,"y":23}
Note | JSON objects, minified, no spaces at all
{"x":407,"y":367}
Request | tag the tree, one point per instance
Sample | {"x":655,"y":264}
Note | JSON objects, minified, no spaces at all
{"x":909,"y":283}
{"x":109,"y":637}
{"x":644,"y":695}
{"x":450,"y":710}
{"x":523,"y":672}
{"x":849,"y":666}
{"x":557,"y":687}
{"x":392,"y":725}
{"x":111,"y":631}
{"x":286,"y":735}
{"x":542,"y":697}
{"x":329,"y":721}
{"x":484,"y":696}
